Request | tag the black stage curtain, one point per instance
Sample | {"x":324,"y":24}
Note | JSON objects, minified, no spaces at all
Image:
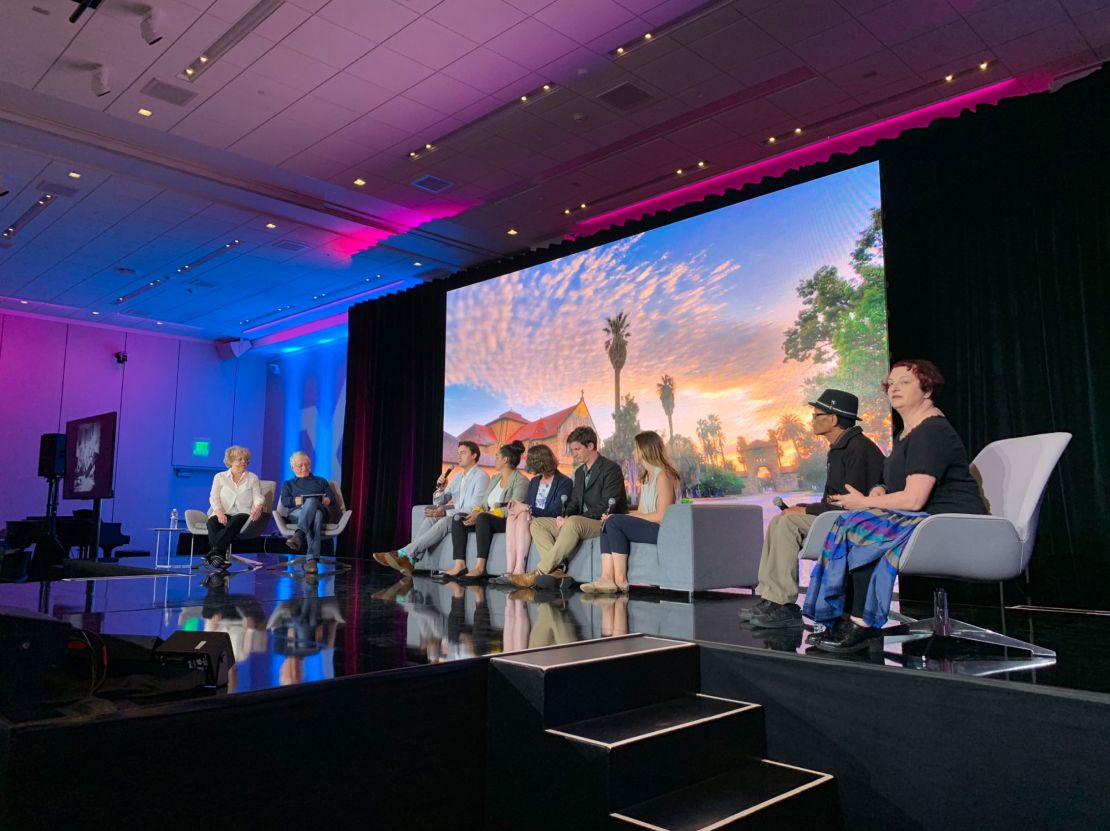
{"x":997,"y":230}
{"x":393,"y":425}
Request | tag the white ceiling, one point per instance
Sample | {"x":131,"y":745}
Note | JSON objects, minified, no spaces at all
{"x":322,"y":93}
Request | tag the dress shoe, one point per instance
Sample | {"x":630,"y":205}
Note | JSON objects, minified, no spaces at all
{"x":217,"y":560}
{"x":556,"y":580}
{"x":394,"y":560}
{"x":310,"y":567}
{"x":296,"y":542}
{"x":777,"y":616}
{"x":443,"y":576}
{"x":527,"y":580}
{"x":747,"y":612}
{"x":855,"y":638}
{"x":835,"y":631}
{"x":467,"y":578}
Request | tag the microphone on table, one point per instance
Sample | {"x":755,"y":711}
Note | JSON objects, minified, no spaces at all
{"x":563,"y":499}
{"x":778,"y":503}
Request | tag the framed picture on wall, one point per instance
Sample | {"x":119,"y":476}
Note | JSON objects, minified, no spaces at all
{"x":90,"y":457}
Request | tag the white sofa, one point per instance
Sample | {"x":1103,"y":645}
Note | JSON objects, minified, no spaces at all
{"x":704,"y":545}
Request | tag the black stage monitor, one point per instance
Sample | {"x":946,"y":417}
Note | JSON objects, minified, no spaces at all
{"x":90,"y":457}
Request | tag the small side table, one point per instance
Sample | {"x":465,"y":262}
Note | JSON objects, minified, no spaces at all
{"x":169,"y":532}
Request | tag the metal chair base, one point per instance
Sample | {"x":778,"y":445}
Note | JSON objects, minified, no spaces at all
{"x":941,"y":625}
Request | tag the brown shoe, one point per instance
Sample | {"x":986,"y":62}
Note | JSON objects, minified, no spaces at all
{"x":296,"y":541}
{"x":310,"y":567}
{"x":527,"y":580}
{"x":395,"y":560}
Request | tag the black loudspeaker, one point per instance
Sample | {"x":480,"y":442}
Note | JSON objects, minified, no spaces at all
{"x":52,"y":455}
{"x":31,"y":645}
{"x":209,"y":651}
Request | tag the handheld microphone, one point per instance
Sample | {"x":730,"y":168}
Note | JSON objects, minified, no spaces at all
{"x":442,"y":480}
{"x":612,"y":502}
{"x":563,"y":499}
{"x":778,"y":503}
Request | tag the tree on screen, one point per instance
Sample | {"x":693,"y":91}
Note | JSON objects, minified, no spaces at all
{"x":842,"y":328}
{"x":712,"y":437}
{"x":665,"y":388}
{"x":618,"y":447}
{"x":616,"y":345}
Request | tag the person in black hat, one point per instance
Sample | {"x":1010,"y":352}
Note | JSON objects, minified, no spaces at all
{"x":853,"y":460}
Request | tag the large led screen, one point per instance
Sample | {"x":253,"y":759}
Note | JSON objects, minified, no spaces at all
{"x":714,"y":331}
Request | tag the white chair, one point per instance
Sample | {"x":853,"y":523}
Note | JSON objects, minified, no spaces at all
{"x":992,"y":547}
{"x":330,"y":531}
{"x":196,"y":522}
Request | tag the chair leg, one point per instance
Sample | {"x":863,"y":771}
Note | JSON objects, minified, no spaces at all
{"x":941,"y":625}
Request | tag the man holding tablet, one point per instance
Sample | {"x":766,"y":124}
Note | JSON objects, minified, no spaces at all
{"x":306,"y":499}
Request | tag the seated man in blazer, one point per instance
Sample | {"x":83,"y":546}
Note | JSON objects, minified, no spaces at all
{"x":598,"y":490}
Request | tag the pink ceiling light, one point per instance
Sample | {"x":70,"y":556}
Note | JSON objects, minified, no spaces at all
{"x":819,"y":151}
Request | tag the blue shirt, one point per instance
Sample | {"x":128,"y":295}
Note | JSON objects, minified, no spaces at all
{"x":467,"y":490}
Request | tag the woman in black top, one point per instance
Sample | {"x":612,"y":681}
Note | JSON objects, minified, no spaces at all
{"x":927,"y":473}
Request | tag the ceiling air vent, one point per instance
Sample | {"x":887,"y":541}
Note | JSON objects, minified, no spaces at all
{"x":134,"y":311}
{"x":168,"y":92}
{"x":625,"y":97}
{"x":201,"y":284}
{"x":290,"y":245}
{"x":432,"y":184}
{"x":46,"y":186}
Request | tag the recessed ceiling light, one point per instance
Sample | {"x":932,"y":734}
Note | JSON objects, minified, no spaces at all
{"x":512,"y":232}
{"x":524,"y":98}
{"x":270,"y":225}
{"x":203,"y":59}
{"x":23,"y":302}
{"x":679,"y":172}
{"x":949,"y":78}
{"x":427,"y":147}
{"x":582,"y":206}
{"x":157,"y":323}
{"x":145,"y":113}
{"x":96,"y":313}
{"x":797,"y":131}
{"x":620,"y":50}
{"x":771,"y":140}
{"x":647,"y":36}
{"x":984,"y":65}
{"x":566,"y":211}
{"x":73,"y":174}
{"x":360,"y":182}
{"x":418,"y":264}
{"x":701,"y":164}
{"x":547,"y":87}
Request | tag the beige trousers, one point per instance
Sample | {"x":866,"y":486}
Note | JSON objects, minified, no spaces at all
{"x":556,"y":544}
{"x":778,"y":566}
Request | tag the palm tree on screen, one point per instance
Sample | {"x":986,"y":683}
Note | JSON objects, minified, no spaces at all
{"x":616,"y":345}
{"x":665,"y":388}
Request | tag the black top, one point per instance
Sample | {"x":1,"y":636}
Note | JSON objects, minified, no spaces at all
{"x":853,"y":460}
{"x":560,"y":485}
{"x":606,"y":482}
{"x":934,"y":448}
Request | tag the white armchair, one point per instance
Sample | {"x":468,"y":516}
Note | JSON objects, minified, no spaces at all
{"x":981,"y":548}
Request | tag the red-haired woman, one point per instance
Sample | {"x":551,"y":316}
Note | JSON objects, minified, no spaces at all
{"x":927,"y":473}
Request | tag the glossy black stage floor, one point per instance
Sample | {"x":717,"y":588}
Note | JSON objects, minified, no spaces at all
{"x":390,"y":698}
{"x":289,"y":628}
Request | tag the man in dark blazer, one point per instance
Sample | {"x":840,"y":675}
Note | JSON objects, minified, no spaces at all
{"x":598,"y":490}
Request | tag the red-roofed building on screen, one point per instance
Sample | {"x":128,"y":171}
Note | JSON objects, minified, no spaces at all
{"x":510,"y":426}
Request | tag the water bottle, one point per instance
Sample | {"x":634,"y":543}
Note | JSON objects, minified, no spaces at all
{"x":173,"y":518}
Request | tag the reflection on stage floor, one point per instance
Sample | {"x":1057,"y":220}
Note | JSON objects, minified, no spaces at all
{"x":289,"y":628}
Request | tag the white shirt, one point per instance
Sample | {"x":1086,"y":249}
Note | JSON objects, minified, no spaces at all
{"x":232,"y":498}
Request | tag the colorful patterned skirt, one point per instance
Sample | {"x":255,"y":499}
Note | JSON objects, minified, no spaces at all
{"x":858,"y":539}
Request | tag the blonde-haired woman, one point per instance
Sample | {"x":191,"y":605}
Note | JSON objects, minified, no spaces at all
{"x":660,"y":482}
{"x":235,"y":500}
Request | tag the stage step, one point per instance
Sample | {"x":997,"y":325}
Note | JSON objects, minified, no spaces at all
{"x":615,"y":731}
{"x":756,"y":795}
{"x":596,"y":678}
{"x":661,"y":747}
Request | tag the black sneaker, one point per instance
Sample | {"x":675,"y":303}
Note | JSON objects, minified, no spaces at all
{"x":217,"y":561}
{"x":778,"y":616}
{"x":748,"y":611}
